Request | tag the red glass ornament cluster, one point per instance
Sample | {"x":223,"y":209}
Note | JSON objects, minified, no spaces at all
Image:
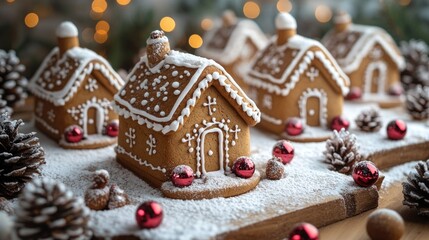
{"x":294,"y":126}
{"x":339,"y":122}
{"x":243,"y":167}
{"x":304,"y":231}
{"x":365,"y":174}
{"x":73,"y":134}
{"x":149,"y":215}
{"x":112,"y":129}
{"x":284,"y":150}
{"x":182,"y":176}
{"x":396,"y":130}
{"x":354,"y":94}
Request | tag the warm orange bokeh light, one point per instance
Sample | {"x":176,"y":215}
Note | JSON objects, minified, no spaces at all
{"x":123,"y":2}
{"x":284,"y":6}
{"x":31,"y":20}
{"x":195,"y":41}
{"x":251,"y":9}
{"x":100,"y":37}
{"x":206,"y":24}
{"x":99,"y":6}
{"x":102,"y":27}
{"x":323,"y":13}
{"x":167,"y":24}
{"x":404,"y":2}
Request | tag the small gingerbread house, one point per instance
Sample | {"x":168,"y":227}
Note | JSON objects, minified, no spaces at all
{"x":233,"y":43}
{"x":180,"y":109}
{"x":296,"y":77}
{"x":369,"y":57}
{"x":74,"y":87}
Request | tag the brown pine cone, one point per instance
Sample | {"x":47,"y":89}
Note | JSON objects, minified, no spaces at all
{"x":47,"y":210}
{"x":416,"y":189}
{"x":275,"y":169}
{"x":118,"y":198}
{"x":6,"y":206}
{"x":416,"y":71}
{"x":97,"y":196}
{"x":369,"y":121}
{"x":13,"y":83}
{"x":418,"y":102}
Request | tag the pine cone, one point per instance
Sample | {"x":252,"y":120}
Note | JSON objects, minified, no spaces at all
{"x":418,"y":102}
{"x":97,"y":196}
{"x":6,"y":206}
{"x":416,"y":71}
{"x":342,"y":152}
{"x":416,"y":189}
{"x":20,"y":157}
{"x":275,"y":169}
{"x":118,"y":198}
{"x":3,"y":106}
{"x":47,"y":210}
{"x":369,"y":121}
{"x":13,"y":83}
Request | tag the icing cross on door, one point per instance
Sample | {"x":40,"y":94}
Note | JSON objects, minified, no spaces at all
{"x":210,"y":101}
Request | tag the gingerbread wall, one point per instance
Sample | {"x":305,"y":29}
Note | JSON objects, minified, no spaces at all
{"x":247,"y":54}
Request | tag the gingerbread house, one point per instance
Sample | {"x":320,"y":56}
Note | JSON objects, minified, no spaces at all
{"x":180,"y":109}
{"x":369,"y":57}
{"x":73,"y":88}
{"x":296,"y":77}
{"x":233,"y":43}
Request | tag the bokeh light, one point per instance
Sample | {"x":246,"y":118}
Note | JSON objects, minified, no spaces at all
{"x":31,"y":20}
{"x":123,"y":2}
{"x":102,"y":27}
{"x":323,"y":13}
{"x":195,"y":41}
{"x":284,"y":6}
{"x":10,"y":1}
{"x":404,"y":2}
{"x":167,"y":24}
{"x":100,"y":37}
{"x":251,"y":9}
{"x":99,"y":6}
{"x":206,"y":24}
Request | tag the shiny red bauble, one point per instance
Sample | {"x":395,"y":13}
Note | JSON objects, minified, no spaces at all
{"x":396,"y":90}
{"x":112,"y":129}
{"x":354,"y":94}
{"x":365,"y":174}
{"x":149,"y":215}
{"x":396,"y":129}
{"x":73,"y":134}
{"x":294,"y":126}
{"x":304,"y":231}
{"x":182,"y":176}
{"x":284,"y":150}
{"x":339,"y":122}
{"x":243,"y":167}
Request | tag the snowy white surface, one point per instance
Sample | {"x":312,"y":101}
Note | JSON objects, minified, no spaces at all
{"x":307,"y":182}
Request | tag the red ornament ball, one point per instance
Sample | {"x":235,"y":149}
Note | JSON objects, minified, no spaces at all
{"x":365,"y":174}
{"x":243,"y":167}
{"x":182,"y":176}
{"x":284,"y":150}
{"x":73,"y":134}
{"x":396,"y":90}
{"x":354,"y":94}
{"x":149,"y":215}
{"x":339,"y":122}
{"x":304,"y":231}
{"x":294,"y":126}
{"x":112,"y":130}
{"x":396,"y":129}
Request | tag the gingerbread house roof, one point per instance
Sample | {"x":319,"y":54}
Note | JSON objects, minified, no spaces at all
{"x":163,"y":97}
{"x":278,"y":68}
{"x":222,"y":42}
{"x":349,"y":47}
{"x":58,"y":78}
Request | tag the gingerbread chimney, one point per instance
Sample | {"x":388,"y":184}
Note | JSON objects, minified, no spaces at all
{"x":342,"y":21}
{"x":67,"y":36}
{"x":229,"y":18}
{"x":286,"y":27}
{"x":157,"y":47}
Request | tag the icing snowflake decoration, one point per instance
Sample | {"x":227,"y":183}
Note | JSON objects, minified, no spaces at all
{"x":151,"y":142}
{"x":312,"y":73}
{"x":210,"y":101}
{"x":131,"y":137}
{"x":92,"y":85}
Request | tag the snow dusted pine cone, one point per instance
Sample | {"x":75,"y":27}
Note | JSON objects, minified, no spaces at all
{"x":275,"y":169}
{"x":47,"y":210}
{"x":416,"y":189}
{"x":97,"y":195}
{"x":13,"y":83}
{"x":342,"y":152}
{"x":416,"y":71}
{"x":3,"y":106}
{"x":118,"y":198}
{"x":369,"y":121}
{"x":418,"y":102}
{"x":20,"y":157}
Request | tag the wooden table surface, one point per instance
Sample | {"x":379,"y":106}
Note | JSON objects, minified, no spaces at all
{"x":355,"y":227}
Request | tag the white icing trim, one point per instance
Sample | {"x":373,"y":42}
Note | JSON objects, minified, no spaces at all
{"x":323,"y":103}
{"x":270,"y":119}
{"x":67,"y":29}
{"x":381,"y":80}
{"x":285,"y":21}
{"x":121,"y":150}
{"x":245,"y":29}
{"x":99,"y":114}
{"x":46,"y":125}
{"x":88,"y":61}
{"x":220,"y":147}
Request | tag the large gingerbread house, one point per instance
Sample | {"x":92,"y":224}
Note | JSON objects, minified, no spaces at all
{"x":233,"y":43}
{"x":369,"y":57}
{"x":74,"y":87}
{"x":296,"y":77}
{"x":177,"y":108}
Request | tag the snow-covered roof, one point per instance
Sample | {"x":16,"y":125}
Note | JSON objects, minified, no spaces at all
{"x":223,"y":43}
{"x":279,"y":68}
{"x":58,"y":78}
{"x":163,"y":97}
{"x":349,"y":47}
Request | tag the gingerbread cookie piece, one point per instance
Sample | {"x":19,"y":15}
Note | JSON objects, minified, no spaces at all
{"x":73,"y":89}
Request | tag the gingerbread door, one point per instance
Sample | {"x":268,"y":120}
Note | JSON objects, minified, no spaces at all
{"x":375,"y":77}
{"x":93,"y":118}
{"x":212,"y":150}
{"x":313,"y":111}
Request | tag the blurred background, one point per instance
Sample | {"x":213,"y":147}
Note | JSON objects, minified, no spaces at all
{"x":117,"y":29}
